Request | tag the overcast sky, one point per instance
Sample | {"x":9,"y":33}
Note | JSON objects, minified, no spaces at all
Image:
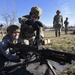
{"x":49,"y":8}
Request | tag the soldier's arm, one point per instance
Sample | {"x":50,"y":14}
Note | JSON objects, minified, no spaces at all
{"x":6,"y":52}
{"x":38,"y":26}
{"x":64,"y":22}
{"x":23,"y":19}
{"x":54,"y":21}
{"x":68,"y":22}
{"x":62,"y":19}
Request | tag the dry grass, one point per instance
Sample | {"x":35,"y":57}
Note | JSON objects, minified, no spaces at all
{"x":64,"y":42}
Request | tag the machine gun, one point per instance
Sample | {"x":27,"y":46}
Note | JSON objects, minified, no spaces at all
{"x":57,"y":56}
{"x":43,"y":56}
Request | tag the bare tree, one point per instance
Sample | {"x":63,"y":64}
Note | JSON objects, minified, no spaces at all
{"x":9,"y":18}
{"x":6,"y":18}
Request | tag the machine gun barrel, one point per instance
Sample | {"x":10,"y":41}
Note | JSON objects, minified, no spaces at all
{"x":58,"y":56}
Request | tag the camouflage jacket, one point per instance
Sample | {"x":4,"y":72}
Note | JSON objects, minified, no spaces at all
{"x":58,"y":20}
{"x":30,"y":28}
{"x":66,"y":23}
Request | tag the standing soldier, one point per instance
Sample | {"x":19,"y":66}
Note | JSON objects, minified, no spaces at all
{"x":66,"y":25}
{"x":57,"y":23}
{"x":30,"y":26}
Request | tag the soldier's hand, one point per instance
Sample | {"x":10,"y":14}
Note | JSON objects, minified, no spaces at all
{"x":17,"y":45}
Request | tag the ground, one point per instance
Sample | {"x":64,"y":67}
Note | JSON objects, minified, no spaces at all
{"x":65,"y":43}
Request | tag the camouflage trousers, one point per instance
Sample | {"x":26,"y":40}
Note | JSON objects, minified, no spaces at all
{"x":66,"y":29}
{"x":58,"y":31}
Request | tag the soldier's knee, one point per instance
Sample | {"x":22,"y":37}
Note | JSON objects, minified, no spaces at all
{"x":26,"y":42}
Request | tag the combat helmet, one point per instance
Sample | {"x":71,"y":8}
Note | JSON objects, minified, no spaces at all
{"x":36,"y":10}
{"x":66,"y":17}
{"x":13,"y":28}
{"x":58,"y":11}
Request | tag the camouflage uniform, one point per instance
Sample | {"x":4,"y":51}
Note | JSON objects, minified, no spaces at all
{"x":31,"y":28}
{"x":66,"y":25}
{"x":57,"y":23}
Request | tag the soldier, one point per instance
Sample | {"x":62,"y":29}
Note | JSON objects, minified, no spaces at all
{"x":58,"y":23}
{"x":1,"y":29}
{"x":31,"y":28}
{"x":66,"y":25}
{"x":11,"y":38}
{"x":8,"y":54}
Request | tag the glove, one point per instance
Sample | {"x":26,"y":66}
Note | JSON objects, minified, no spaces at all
{"x":14,"y":58}
{"x":40,"y":47}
